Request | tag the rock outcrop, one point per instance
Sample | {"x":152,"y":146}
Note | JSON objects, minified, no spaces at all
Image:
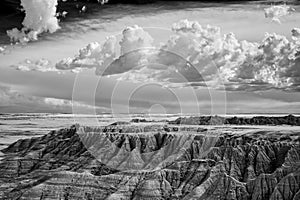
{"x":155,"y":162}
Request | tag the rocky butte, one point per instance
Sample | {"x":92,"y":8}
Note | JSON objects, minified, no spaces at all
{"x":154,"y":162}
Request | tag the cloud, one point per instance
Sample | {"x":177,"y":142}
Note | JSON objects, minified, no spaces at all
{"x":41,"y":65}
{"x":268,"y":105}
{"x":197,"y":56}
{"x":98,"y":56}
{"x":13,"y":101}
{"x":275,"y":12}
{"x":40,"y":16}
{"x":2,"y":49}
{"x":93,"y":55}
{"x":68,"y":103}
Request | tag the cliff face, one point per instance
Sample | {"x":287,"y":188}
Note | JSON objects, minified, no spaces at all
{"x":160,"y":163}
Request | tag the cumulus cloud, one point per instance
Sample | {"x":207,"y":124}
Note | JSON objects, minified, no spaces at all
{"x":196,"y":55}
{"x":98,"y":56}
{"x":275,"y":12}
{"x":94,"y":55}
{"x":40,"y":16}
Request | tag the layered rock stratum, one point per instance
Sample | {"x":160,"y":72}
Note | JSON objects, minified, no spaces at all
{"x":125,"y":161}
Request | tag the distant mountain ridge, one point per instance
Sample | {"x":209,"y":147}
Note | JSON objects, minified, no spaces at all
{"x":259,"y":120}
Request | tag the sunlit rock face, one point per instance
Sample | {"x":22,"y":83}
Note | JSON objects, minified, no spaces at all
{"x":61,"y":165}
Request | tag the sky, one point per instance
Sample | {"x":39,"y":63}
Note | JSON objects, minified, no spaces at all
{"x":31,"y":82}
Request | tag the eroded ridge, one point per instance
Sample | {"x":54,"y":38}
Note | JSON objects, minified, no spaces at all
{"x":165,"y":162}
